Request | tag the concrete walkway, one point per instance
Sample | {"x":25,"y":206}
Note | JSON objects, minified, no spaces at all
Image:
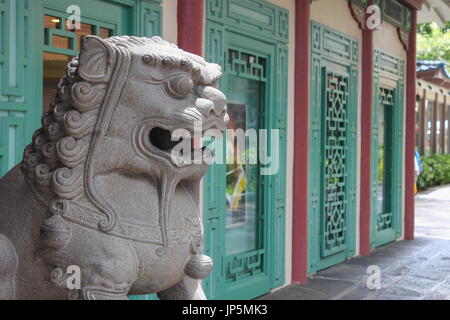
{"x":410,"y":270}
{"x":433,"y":213}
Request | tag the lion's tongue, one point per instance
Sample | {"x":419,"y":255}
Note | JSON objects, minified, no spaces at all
{"x":197,"y":143}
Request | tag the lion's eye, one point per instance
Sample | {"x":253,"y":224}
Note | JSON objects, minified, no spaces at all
{"x":179,"y":86}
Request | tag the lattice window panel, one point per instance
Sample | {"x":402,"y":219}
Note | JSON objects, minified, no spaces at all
{"x":335,"y":175}
{"x":248,"y":65}
{"x":244,"y":265}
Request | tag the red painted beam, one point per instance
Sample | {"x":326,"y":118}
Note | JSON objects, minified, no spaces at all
{"x":366,"y":141}
{"x":300,"y":179}
{"x":190,"y":25}
{"x":410,"y":130}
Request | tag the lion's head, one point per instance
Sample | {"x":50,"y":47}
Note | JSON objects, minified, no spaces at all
{"x":110,"y":124}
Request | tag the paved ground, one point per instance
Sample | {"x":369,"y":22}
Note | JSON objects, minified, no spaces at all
{"x":433,"y":213}
{"x":410,"y":270}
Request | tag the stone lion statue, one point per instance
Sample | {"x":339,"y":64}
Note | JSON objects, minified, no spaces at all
{"x":98,"y":189}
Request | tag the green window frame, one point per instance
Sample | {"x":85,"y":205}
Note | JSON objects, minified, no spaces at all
{"x":389,"y":73}
{"x":334,"y":57}
{"x":268,"y":24}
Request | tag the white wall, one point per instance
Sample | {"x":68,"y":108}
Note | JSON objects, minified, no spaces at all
{"x":170,"y":24}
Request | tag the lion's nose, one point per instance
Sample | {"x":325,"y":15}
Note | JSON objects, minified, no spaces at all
{"x":216,"y":100}
{"x":204,"y":106}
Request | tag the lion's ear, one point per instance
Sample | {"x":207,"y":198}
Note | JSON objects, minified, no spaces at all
{"x":96,"y":59}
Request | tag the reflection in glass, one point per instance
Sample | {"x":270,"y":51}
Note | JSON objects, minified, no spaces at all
{"x":54,"y":68}
{"x":242,"y":206}
{"x":51,"y":22}
{"x":385,"y":136}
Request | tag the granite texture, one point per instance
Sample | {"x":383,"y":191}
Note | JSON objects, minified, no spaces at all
{"x":99,"y":188}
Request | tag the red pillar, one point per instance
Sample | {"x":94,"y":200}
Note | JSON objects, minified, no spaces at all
{"x":422,"y":123}
{"x":190,"y":16}
{"x":300,"y":179}
{"x":190,"y":25}
{"x":434,"y":124}
{"x":366,"y":141}
{"x":442,"y":123}
{"x":410,"y":129}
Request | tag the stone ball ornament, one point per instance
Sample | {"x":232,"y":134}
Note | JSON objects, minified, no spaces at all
{"x":98,"y":209}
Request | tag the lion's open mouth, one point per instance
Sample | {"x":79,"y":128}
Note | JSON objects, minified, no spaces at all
{"x":162,"y":139}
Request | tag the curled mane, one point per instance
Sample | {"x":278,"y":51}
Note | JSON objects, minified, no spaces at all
{"x":55,"y":158}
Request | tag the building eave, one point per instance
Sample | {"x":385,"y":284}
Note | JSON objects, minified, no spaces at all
{"x":416,"y":4}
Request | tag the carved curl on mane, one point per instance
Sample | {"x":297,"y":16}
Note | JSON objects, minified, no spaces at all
{"x":55,"y":158}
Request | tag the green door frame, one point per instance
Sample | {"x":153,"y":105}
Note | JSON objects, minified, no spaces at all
{"x":331,"y":53}
{"x":21,"y":47}
{"x":388,"y":74}
{"x":20,"y":67}
{"x":262,"y":29}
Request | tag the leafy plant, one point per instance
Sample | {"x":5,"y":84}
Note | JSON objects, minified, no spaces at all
{"x":436,"y":171}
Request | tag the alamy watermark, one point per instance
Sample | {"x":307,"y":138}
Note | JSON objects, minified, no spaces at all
{"x":373,"y":282}
{"x":374,"y":19}
{"x":73,"y":22}
{"x":249,"y":147}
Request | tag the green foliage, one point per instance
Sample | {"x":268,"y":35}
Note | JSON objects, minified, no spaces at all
{"x":433,"y":42}
{"x":436,"y":171}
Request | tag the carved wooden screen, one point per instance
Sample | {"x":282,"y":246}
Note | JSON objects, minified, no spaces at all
{"x":335,"y":164}
{"x":332,"y":151}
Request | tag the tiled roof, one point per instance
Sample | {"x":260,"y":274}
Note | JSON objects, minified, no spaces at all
{"x":425,"y":65}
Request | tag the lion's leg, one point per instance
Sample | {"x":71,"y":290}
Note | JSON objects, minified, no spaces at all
{"x":100,"y":281}
{"x":106,"y":272}
{"x":109,"y":279}
{"x":8,"y":267}
{"x":186,"y":289}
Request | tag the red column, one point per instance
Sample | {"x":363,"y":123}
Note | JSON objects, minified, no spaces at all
{"x":366,"y":141}
{"x":422,"y":123}
{"x":190,"y":25}
{"x":442,"y":122}
{"x":300,"y":185}
{"x":434,"y":125}
{"x":190,"y":16}
{"x":410,"y":129}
